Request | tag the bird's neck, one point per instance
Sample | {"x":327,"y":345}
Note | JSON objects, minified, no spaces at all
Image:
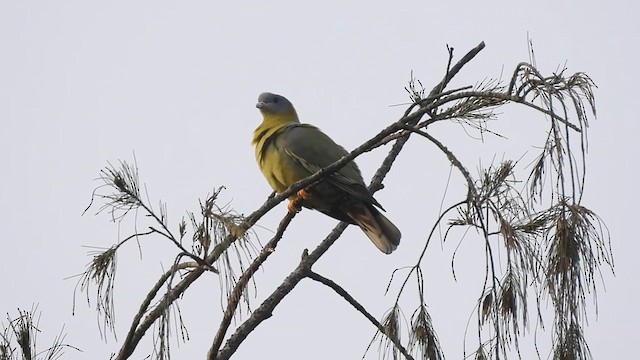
{"x":271,"y":124}
{"x":264,"y":134}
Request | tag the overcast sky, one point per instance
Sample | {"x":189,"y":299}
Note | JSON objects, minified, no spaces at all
{"x":83,"y":83}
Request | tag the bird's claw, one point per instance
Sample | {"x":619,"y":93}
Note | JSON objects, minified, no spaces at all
{"x":294,"y":204}
{"x":292,"y":207}
{"x":303,"y":194}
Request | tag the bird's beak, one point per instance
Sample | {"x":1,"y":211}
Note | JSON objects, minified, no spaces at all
{"x":260,"y":105}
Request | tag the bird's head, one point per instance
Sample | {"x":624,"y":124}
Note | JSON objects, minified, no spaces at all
{"x":276,"y":107}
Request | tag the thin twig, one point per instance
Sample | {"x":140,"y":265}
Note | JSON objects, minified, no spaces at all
{"x":455,"y":69}
{"x":345,"y":295}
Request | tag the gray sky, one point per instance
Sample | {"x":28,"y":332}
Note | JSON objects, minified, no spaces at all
{"x":83,"y":83}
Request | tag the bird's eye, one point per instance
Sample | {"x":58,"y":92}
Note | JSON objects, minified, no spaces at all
{"x":275,"y":100}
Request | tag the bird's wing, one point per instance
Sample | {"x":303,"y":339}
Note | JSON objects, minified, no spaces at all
{"x":313,"y":150}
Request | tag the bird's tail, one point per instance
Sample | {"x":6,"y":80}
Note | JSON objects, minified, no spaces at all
{"x":384,"y":235}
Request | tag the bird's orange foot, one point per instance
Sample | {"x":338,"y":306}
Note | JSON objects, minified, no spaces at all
{"x":292,"y":207}
{"x":294,"y":202}
{"x":303,"y":194}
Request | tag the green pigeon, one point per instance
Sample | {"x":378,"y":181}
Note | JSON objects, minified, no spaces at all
{"x":288,"y":151}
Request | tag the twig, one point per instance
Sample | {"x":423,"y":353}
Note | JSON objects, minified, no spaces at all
{"x":345,"y":295}
{"x":455,"y":69}
{"x":452,"y":158}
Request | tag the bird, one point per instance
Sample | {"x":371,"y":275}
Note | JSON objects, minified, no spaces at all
{"x":288,"y":151}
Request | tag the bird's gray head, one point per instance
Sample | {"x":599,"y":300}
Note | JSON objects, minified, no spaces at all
{"x":273,"y":104}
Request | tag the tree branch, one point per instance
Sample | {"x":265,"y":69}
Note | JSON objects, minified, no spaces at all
{"x":265,"y":309}
{"x":236,"y":294}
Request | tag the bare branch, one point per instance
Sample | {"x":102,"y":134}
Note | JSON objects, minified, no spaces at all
{"x":345,"y":295}
{"x":241,"y":284}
